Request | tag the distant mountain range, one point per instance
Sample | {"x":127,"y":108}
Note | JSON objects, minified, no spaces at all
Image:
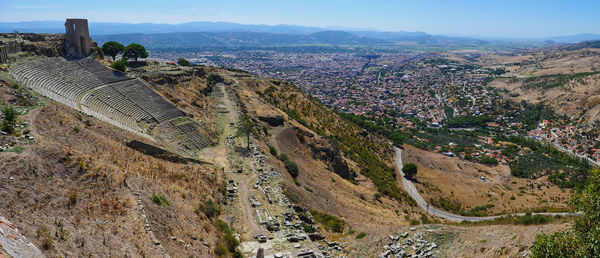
{"x":195,"y":34}
{"x":238,"y":39}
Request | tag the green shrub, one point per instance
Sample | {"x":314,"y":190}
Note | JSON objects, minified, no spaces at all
{"x":220,"y":250}
{"x":307,"y":228}
{"x":120,"y":65}
{"x":291,"y":167}
{"x":583,"y":237}
{"x":9,"y":115}
{"x":361,"y":235}
{"x":76,"y":129}
{"x":160,"y":200}
{"x":272,"y":150}
{"x":209,"y":208}
{"x":332,"y":223}
{"x":230,"y":240}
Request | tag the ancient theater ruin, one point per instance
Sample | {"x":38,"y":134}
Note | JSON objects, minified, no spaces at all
{"x":84,"y":84}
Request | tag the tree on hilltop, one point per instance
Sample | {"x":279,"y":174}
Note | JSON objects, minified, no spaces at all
{"x":183,"y":62}
{"x":410,"y":170}
{"x":112,"y":48}
{"x":135,"y":51}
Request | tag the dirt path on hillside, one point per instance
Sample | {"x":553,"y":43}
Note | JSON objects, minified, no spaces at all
{"x":245,"y":182}
{"x":244,"y":197}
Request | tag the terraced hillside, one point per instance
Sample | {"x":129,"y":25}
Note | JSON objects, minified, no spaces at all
{"x":126,"y":102}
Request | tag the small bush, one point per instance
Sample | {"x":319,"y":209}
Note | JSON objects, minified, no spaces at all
{"x":10,"y":118}
{"x":361,"y":235}
{"x":209,"y":209}
{"x":291,"y":167}
{"x":332,"y":223}
{"x":183,"y":62}
{"x":307,"y":228}
{"x":272,"y":150}
{"x":120,"y":65}
{"x":160,"y":200}
{"x":220,"y":250}
{"x":44,"y":234}
{"x":76,"y":129}
{"x":230,"y":240}
{"x":73,"y":197}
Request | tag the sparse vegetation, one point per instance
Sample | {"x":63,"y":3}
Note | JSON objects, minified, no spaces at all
{"x":290,"y":166}
{"x":361,"y":235}
{"x":44,"y":234}
{"x":330,"y":222}
{"x":527,"y":219}
{"x":209,"y":208}
{"x":307,"y":228}
{"x":228,"y":237}
{"x":582,"y":239}
{"x":550,"y":81}
{"x":160,"y":200}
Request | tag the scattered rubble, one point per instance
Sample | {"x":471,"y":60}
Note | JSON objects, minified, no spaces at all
{"x":415,"y":246}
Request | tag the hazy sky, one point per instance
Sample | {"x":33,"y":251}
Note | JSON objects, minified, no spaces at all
{"x":512,"y":18}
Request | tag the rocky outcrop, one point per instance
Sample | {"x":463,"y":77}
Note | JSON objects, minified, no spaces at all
{"x":331,"y":155}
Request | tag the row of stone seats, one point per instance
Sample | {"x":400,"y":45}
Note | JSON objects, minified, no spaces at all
{"x":113,"y":104}
{"x":101,"y":72}
{"x":66,"y":79}
{"x":193,"y":134}
{"x":44,"y":82}
{"x":148,"y":100}
{"x":68,"y":69}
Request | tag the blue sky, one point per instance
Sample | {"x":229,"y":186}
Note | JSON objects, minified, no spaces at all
{"x":502,"y":18}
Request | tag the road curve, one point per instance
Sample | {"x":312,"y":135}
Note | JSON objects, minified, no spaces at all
{"x":414,"y":193}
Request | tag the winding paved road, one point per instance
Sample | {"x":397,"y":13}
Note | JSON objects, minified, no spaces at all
{"x":414,"y":193}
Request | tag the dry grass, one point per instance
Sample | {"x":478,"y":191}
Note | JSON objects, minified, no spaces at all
{"x":459,"y":182}
{"x":90,"y":177}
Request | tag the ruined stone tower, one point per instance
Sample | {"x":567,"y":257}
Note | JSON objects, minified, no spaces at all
{"x":77,"y":38}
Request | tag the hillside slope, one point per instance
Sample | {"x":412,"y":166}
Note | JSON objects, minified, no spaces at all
{"x":78,"y":189}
